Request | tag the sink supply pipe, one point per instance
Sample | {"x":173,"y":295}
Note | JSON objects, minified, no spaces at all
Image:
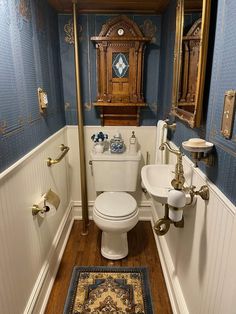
{"x":80,"y":128}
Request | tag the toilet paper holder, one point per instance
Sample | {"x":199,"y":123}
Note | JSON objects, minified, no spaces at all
{"x":48,"y":202}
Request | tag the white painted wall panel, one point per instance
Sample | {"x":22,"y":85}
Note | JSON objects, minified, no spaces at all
{"x":198,"y":259}
{"x":25,"y":240}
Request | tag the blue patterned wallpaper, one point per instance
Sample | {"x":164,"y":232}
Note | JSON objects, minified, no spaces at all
{"x":220,"y":77}
{"x":29,"y":58}
{"x":90,"y":25}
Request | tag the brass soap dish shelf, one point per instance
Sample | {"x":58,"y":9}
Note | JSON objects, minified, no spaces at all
{"x":200,"y":151}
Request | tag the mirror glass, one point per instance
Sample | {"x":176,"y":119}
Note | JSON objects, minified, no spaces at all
{"x":191,"y":44}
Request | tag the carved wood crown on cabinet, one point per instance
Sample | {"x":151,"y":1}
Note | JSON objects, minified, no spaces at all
{"x":120,"y":54}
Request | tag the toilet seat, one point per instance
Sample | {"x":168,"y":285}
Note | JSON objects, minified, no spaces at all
{"x":115,"y":206}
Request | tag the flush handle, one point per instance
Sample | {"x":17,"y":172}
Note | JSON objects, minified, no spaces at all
{"x":91,"y":166}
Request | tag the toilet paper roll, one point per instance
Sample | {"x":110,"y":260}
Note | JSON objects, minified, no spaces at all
{"x":48,"y":204}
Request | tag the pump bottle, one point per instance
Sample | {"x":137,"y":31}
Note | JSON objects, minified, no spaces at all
{"x":133,"y":144}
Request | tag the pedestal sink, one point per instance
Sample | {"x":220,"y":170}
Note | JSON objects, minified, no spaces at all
{"x":157,"y":180}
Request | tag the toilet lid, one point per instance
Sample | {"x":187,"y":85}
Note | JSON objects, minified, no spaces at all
{"x":115,"y":204}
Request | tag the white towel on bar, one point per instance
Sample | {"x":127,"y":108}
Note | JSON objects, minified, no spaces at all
{"x":161,"y":137}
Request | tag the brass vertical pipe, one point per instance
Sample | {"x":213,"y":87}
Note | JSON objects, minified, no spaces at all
{"x":80,"y":129}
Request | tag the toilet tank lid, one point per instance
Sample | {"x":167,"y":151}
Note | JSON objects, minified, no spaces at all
{"x":115,"y":204}
{"x":107,"y":155}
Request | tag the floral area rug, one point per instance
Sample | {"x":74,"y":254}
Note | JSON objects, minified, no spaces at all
{"x":119,"y":290}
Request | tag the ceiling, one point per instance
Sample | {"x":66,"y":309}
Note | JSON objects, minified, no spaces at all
{"x":103,"y":6}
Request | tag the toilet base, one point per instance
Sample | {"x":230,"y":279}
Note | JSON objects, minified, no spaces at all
{"x":114,"y":246}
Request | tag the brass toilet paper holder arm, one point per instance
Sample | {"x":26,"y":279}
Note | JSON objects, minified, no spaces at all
{"x":47,"y":202}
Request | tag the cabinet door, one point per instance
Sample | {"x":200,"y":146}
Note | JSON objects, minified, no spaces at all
{"x":119,"y":75}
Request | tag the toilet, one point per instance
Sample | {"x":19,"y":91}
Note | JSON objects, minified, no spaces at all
{"x":115,"y":211}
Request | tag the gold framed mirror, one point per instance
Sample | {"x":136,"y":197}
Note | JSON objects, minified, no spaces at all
{"x":190,"y":57}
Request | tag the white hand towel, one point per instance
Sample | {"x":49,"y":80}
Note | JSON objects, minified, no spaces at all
{"x":161,"y":137}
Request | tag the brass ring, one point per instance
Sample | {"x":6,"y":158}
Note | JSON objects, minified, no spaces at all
{"x":162,"y":226}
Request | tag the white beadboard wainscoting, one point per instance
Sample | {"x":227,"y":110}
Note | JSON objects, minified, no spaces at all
{"x":31,"y":246}
{"x":199,"y":260}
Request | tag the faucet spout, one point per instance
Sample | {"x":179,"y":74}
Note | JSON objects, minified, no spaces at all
{"x":178,"y":181}
{"x":170,"y":149}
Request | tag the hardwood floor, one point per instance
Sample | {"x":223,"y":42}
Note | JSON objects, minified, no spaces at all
{"x":85,"y":251}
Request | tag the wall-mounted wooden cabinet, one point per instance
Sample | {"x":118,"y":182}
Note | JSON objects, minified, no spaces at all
{"x":120,"y":55}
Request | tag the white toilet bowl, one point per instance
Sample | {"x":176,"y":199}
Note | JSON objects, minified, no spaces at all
{"x":115,"y":213}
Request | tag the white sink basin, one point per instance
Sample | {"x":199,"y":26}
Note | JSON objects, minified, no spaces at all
{"x":157,"y":180}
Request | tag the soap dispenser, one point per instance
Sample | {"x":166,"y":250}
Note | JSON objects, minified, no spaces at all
{"x":133,"y":144}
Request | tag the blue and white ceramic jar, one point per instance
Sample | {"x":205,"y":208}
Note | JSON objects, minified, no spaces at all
{"x":117,"y":145}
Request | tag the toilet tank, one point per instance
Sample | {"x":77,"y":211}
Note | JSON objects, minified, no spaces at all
{"x":115,"y":172}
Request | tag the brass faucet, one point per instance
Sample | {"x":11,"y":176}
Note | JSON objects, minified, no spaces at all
{"x":162,"y":225}
{"x":178,"y":181}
